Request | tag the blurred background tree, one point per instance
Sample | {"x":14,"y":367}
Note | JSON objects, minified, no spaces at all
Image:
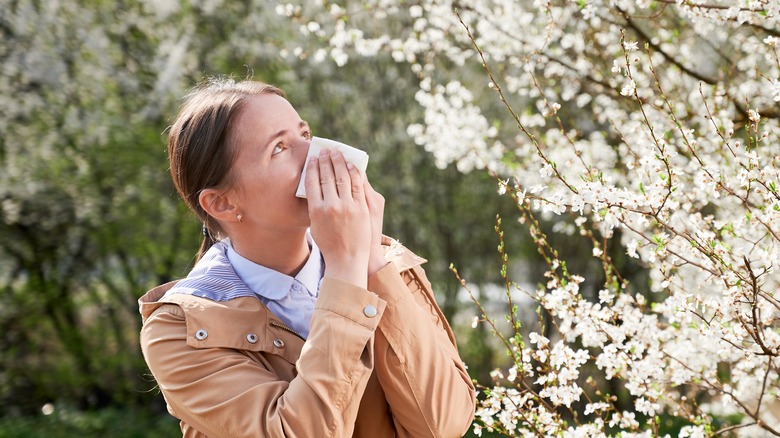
{"x":89,"y":219}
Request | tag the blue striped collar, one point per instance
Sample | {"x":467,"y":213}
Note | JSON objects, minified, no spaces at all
{"x":221,"y":273}
{"x":213,"y":277}
{"x":275,"y":285}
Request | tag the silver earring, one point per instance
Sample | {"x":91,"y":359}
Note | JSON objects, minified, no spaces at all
{"x":239,"y":217}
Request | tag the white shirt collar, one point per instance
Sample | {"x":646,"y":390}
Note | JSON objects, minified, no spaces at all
{"x":272,"y":284}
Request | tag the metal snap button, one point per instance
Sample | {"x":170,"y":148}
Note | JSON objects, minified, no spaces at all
{"x":201,"y":334}
{"x":251,"y":338}
{"x":369,"y":311}
{"x":278,"y":343}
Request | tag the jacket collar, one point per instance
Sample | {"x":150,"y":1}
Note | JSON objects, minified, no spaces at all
{"x":242,"y":323}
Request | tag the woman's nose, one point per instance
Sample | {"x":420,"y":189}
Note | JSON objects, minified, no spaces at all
{"x":302,"y":149}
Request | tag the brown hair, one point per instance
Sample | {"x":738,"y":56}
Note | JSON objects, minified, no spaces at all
{"x":200,"y":149}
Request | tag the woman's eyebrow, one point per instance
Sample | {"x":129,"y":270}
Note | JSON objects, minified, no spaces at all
{"x":281,"y":132}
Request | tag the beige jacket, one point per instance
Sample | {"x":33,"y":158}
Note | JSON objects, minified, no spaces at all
{"x":376,"y":364}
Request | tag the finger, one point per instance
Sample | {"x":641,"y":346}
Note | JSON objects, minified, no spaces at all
{"x":374,"y":199}
{"x":342,"y":175}
{"x":368,"y":187}
{"x":312,"y":181}
{"x":356,"y":181}
{"x":327,"y":177}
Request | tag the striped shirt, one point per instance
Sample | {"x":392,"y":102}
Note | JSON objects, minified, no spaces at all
{"x":222,"y":274}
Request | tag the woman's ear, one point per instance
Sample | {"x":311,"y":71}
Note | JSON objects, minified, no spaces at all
{"x":218,"y":205}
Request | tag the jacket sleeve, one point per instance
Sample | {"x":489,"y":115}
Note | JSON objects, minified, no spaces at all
{"x":425,"y":382}
{"x":223,"y":393}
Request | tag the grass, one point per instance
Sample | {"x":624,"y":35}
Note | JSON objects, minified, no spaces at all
{"x":111,"y":422}
{"x":115,"y":423}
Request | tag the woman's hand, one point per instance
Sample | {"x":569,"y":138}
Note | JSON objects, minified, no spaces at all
{"x":341,"y":223}
{"x":376,"y":207}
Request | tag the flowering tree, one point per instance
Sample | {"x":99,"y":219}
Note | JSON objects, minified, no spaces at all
{"x":650,"y":125}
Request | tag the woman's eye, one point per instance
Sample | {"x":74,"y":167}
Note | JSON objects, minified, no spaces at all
{"x":306,"y":135}
{"x":278,"y":148}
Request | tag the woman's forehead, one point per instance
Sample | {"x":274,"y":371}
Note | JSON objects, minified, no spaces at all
{"x":264,"y":117}
{"x":270,"y":109}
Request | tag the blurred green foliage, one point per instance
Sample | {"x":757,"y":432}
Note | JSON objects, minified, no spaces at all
{"x":108,"y":422}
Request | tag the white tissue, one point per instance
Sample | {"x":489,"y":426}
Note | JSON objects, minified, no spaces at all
{"x":352,"y":155}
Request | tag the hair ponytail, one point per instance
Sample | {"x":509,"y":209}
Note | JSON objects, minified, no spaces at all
{"x":206,"y":243}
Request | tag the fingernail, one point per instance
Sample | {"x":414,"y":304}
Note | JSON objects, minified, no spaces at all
{"x":350,"y":166}
{"x":312,"y":159}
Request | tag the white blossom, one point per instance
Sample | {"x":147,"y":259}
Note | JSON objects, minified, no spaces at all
{"x":669,"y":149}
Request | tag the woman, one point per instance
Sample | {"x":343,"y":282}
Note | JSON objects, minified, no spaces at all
{"x":300,"y":318}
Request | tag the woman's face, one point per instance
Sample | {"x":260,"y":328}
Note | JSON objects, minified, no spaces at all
{"x":272,"y":142}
